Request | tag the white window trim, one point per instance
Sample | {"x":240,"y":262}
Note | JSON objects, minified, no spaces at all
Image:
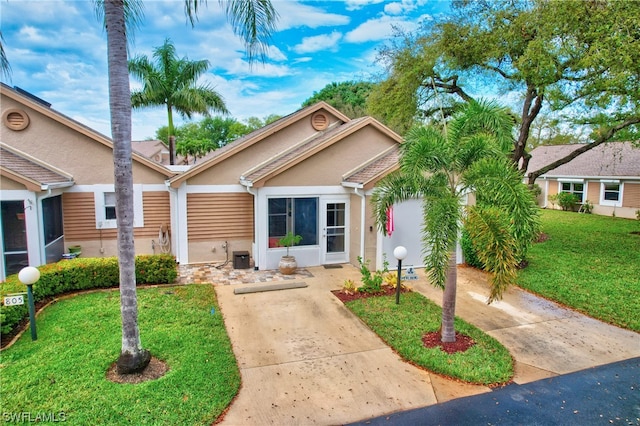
{"x":102,"y":222}
{"x":585,"y":188}
{"x":604,"y":202}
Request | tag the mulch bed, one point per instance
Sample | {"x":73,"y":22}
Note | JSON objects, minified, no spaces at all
{"x":156,"y":369}
{"x":429,"y":340}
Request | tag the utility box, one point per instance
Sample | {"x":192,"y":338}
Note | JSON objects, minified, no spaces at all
{"x":240,"y":260}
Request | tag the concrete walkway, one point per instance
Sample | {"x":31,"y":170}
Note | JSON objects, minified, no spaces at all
{"x":305,"y":359}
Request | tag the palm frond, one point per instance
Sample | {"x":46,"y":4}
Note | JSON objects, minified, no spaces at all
{"x":254,"y":21}
{"x":425,"y":149}
{"x":392,"y":189}
{"x":498,"y":183}
{"x":489,"y":228}
{"x":484,"y":117}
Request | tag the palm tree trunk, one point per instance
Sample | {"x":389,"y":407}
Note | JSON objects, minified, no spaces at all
{"x":132,"y":357}
{"x":172,"y":137}
{"x":449,"y":300}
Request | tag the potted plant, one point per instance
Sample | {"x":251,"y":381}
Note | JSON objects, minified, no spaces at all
{"x":288,"y":263}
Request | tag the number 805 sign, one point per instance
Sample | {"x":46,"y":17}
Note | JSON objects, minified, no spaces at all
{"x":14,"y":300}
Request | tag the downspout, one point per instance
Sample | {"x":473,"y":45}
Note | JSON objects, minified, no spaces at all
{"x":174,"y":219}
{"x":363,"y":205}
{"x":256,"y":245}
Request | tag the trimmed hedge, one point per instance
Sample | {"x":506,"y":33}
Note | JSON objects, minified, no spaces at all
{"x":82,"y":274}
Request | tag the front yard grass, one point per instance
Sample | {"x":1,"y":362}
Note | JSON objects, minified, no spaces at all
{"x":590,"y":263}
{"x":64,"y":371}
{"x":402,"y":327}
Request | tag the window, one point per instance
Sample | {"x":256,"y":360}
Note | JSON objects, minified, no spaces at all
{"x":105,"y":204}
{"x":297,"y":215}
{"x":611,"y":193}
{"x":109,"y":205}
{"x":573,"y":188}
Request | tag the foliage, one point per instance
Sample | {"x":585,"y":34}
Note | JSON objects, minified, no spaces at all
{"x":348,"y":97}
{"x":402,"y":327}
{"x":567,"y":200}
{"x":64,"y":371}
{"x":83,"y":274}
{"x":349,"y":286}
{"x":197,"y":139}
{"x":577,"y":56}
{"x":171,"y":81}
{"x":590,"y":263}
{"x":371,"y":282}
{"x":289,"y":240}
{"x":468,"y":251}
{"x":586,"y":207}
{"x":440,"y":166}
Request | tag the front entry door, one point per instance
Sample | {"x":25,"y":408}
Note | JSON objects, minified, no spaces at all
{"x":334,"y":232}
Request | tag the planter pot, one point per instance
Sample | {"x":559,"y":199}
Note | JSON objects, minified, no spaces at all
{"x":75,"y":249}
{"x":287,"y":265}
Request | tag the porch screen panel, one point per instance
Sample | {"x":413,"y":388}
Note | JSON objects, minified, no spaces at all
{"x":306,"y":220}
{"x":53,"y":228}
{"x":297,"y":215}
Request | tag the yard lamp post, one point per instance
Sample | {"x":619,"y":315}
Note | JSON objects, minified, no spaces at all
{"x":399,"y":253}
{"x":28,"y":276}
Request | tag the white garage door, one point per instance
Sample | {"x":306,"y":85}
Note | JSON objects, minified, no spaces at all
{"x":408,"y":233}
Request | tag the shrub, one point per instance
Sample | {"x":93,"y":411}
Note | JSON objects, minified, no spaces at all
{"x":567,"y":200}
{"x":468,"y":251}
{"x":82,"y":274}
{"x":372,"y":282}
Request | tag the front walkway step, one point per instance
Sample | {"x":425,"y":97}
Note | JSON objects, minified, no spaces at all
{"x":271,"y":287}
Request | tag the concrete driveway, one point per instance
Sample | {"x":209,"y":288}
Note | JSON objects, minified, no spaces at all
{"x":305,"y":359}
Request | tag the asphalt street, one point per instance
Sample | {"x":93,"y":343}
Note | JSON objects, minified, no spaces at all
{"x":604,"y":395}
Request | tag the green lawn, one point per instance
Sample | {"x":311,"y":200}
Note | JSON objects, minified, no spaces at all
{"x":590,"y":263}
{"x":79,"y":338}
{"x":402,"y":327}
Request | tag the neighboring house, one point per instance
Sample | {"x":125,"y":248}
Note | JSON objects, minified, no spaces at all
{"x":608,"y":176}
{"x":311,"y":173}
{"x":157,"y":151}
{"x":56,"y":187}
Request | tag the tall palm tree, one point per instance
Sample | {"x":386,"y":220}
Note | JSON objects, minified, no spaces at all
{"x":442,"y":166}
{"x":172,"y":82}
{"x":254,"y":21}
{"x":5,"y":67}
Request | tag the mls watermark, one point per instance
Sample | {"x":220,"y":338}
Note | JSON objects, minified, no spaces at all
{"x":28,"y":417}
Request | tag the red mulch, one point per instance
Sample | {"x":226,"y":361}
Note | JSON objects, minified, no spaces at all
{"x":431,"y":339}
{"x":462,"y":343}
{"x":349,"y":296}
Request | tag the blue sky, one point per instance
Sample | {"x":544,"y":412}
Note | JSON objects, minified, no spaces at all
{"x":57,"y":51}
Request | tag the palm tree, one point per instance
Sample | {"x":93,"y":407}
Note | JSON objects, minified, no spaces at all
{"x":171,"y":81}
{"x":5,"y":67}
{"x":254,"y":21}
{"x":442,"y":166}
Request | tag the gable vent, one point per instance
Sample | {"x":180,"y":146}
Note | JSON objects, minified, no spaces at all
{"x":319,"y":121}
{"x":15,"y":119}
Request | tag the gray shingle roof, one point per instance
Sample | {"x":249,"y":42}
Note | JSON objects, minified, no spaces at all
{"x":27,"y":168}
{"x":379,"y":166}
{"x":612,"y":159}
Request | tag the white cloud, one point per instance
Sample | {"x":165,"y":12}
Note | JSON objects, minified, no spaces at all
{"x":378,"y":29}
{"x":318,"y":43}
{"x":294,"y":15}
{"x":359,"y":4}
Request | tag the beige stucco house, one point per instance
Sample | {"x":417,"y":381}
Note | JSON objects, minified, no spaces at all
{"x":56,"y":187}
{"x":608,"y":176}
{"x":311,"y":173}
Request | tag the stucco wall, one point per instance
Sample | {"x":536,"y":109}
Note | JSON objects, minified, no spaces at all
{"x":89,"y":161}
{"x":229,"y":171}
{"x":329,"y":165}
{"x":10,"y":184}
